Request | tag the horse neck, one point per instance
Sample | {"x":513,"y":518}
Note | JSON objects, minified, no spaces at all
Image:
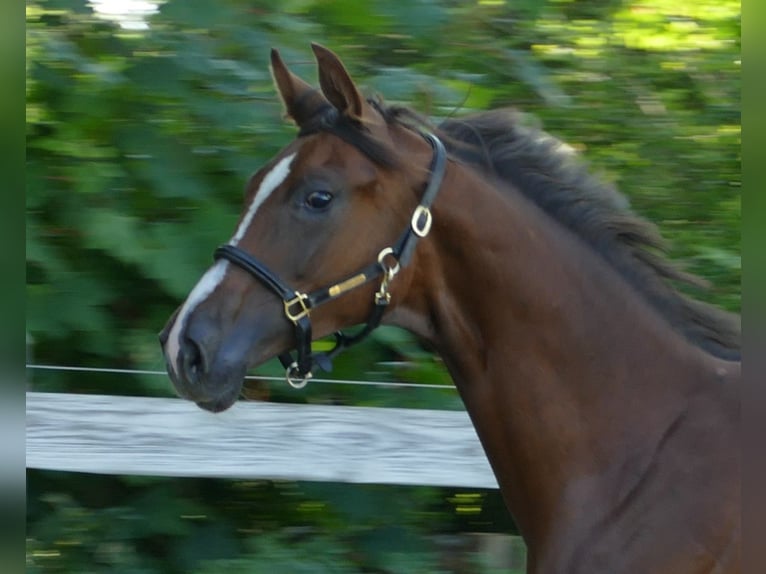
{"x":569,"y":376}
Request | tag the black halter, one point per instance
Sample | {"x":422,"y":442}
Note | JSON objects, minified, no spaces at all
{"x":298,"y":305}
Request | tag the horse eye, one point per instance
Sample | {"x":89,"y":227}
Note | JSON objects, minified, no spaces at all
{"x":319,"y":200}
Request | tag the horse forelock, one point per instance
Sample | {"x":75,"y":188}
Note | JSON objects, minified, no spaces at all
{"x":327,"y":119}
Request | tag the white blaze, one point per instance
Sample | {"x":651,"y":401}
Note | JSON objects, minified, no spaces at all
{"x":213,"y":276}
{"x":270,"y":182}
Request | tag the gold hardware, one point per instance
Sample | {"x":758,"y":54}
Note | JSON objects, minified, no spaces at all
{"x":382,"y":297}
{"x":299,"y":299}
{"x":421,"y":230}
{"x":347,"y":285}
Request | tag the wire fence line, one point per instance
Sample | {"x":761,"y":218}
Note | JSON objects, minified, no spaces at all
{"x":110,"y":370}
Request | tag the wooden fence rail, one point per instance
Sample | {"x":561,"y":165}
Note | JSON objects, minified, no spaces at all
{"x":171,"y":437}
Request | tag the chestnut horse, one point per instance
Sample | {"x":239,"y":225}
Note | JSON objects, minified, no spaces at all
{"x":606,"y":400}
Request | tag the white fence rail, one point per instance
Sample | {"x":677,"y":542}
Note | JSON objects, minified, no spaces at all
{"x":171,"y":437}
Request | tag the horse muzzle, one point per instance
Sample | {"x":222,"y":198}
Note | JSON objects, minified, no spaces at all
{"x":205,"y":368}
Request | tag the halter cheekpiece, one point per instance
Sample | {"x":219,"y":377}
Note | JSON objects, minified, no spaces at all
{"x":298,"y":305}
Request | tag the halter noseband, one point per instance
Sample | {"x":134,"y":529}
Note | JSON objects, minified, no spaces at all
{"x":298,"y":306}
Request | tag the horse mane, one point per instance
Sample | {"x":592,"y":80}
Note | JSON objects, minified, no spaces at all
{"x":504,"y":148}
{"x":547,"y":172}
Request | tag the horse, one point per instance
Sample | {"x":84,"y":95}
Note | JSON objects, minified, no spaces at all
{"x":605,"y":399}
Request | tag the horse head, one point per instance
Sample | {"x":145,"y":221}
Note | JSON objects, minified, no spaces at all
{"x":323,"y":228}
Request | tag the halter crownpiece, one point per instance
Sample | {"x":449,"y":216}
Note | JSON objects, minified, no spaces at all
{"x":298,"y":305}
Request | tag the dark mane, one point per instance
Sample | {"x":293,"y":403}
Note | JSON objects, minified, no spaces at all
{"x":546,"y":171}
{"x":501,"y":146}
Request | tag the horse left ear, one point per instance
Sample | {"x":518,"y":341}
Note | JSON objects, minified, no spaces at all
{"x":301,"y":100}
{"x":337,"y":85}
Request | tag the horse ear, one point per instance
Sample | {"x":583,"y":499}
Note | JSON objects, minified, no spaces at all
{"x":301,"y":101}
{"x":337,"y":85}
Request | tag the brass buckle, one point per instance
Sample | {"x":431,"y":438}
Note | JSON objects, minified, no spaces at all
{"x":421,"y":230}
{"x":299,"y":299}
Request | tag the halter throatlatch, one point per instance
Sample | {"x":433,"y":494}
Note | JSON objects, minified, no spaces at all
{"x":298,"y":306}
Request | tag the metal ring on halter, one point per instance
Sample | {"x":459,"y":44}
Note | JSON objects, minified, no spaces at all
{"x":389,"y":271}
{"x":296,"y":383}
{"x":421,"y":221}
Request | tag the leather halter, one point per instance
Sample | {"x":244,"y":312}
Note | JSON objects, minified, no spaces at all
{"x":298,"y":305}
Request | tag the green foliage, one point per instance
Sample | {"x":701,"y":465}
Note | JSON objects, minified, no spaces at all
{"x":101,"y":524}
{"x":140,"y":142}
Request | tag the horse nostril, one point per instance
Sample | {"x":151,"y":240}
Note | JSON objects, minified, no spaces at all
{"x":193,"y":361}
